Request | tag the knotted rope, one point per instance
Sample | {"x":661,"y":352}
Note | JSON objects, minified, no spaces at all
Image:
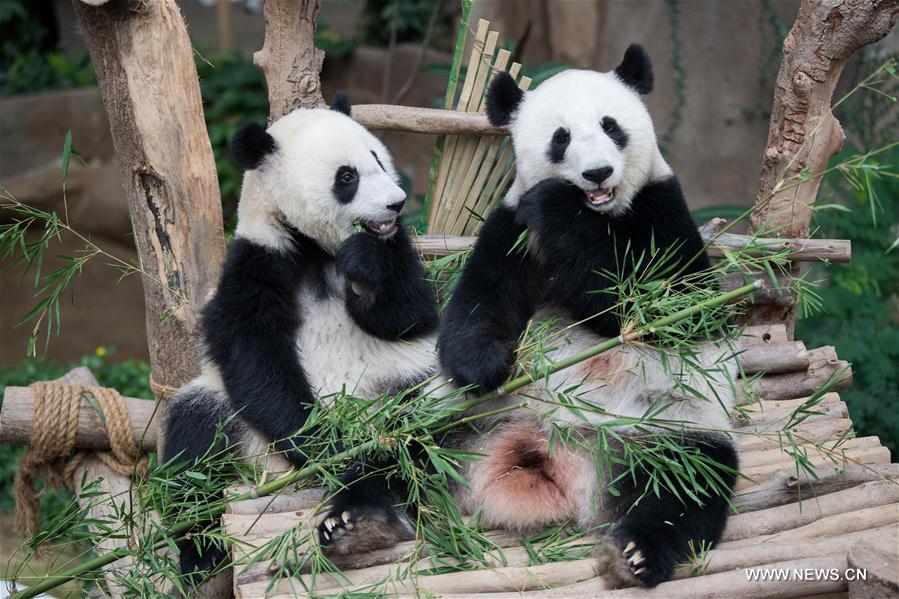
{"x":56,"y":410}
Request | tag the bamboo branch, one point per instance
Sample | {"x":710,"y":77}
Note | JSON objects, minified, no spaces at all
{"x":216,"y":509}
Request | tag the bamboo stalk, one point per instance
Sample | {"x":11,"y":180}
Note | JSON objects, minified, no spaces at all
{"x":218,"y":508}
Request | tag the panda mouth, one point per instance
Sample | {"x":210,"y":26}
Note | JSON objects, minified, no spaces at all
{"x":381,"y":228}
{"x":599,"y":197}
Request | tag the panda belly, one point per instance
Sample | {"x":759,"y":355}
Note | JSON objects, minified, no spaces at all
{"x":337,"y":355}
{"x":627,"y":380}
{"x":529,"y":478}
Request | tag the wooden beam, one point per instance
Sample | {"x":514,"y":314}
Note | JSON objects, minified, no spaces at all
{"x":144,"y":64}
{"x":800,"y":250}
{"x":434,"y":121}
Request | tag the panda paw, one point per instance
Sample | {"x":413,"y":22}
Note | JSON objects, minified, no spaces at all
{"x":549,"y":202}
{"x":361,"y":529}
{"x":626,"y":560}
{"x":360,"y":258}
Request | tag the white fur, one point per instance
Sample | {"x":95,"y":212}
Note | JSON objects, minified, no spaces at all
{"x":578,"y":100}
{"x":294,"y":183}
{"x":338,"y":356}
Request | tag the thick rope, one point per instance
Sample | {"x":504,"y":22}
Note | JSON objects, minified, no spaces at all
{"x":56,"y":410}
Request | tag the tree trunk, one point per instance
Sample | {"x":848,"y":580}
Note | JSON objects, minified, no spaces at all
{"x":291,"y":62}
{"x":144,"y":65}
{"x":804,"y":134}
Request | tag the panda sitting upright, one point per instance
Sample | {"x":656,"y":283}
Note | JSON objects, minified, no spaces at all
{"x":592,"y":194}
{"x":307,"y":308}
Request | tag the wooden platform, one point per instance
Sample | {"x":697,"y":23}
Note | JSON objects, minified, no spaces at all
{"x":844,"y":516}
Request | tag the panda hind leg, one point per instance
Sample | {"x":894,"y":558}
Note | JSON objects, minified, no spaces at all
{"x":366,"y":514}
{"x":653,"y":533}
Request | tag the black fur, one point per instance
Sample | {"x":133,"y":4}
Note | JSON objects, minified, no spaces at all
{"x":558,"y":144}
{"x":490,"y":307}
{"x":193,"y":418}
{"x":614,"y":131}
{"x":346,"y":184}
{"x":503,"y":98}
{"x":250,"y":146}
{"x":341,"y":104}
{"x":387,"y":292}
{"x":250,"y":327}
{"x":635,"y":69}
{"x":667,"y":529}
{"x":578,"y":246}
{"x":500,"y":288}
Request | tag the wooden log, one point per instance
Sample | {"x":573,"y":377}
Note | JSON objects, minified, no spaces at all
{"x":774,"y":359}
{"x":877,"y":557}
{"x":433,"y":121}
{"x":724,"y":557}
{"x":17,"y":420}
{"x":144,"y":64}
{"x":830,"y":526}
{"x":773,"y":456}
{"x":767,"y":292}
{"x":734,"y":584}
{"x":804,"y":134}
{"x":823,"y":363}
{"x":289,"y":59}
{"x":776,"y":420}
{"x":773,"y":411}
{"x":287,"y":501}
{"x":814,"y":431}
{"x":801,"y":250}
{"x":821,"y":462}
{"x":764,"y":334}
{"x":794,"y":515}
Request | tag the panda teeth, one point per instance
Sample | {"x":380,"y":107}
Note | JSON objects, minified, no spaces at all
{"x":384,"y":227}
{"x":600,"y":196}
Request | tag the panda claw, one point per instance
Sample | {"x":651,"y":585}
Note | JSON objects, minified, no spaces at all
{"x":345,"y":516}
{"x":629,"y":548}
{"x":326,"y":536}
{"x":639,"y":571}
{"x":637,"y":558}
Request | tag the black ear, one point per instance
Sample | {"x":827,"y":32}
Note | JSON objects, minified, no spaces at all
{"x":503,"y":99}
{"x":250,"y":145}
{"x":636,"y":69}
{"x":341,"y":103}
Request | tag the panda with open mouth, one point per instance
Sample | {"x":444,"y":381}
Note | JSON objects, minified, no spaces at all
{"x":591,"y":195}
{"x":307,"y":307}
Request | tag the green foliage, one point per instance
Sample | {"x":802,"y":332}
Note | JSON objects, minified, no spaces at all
{"x":130,"y":377}
{"x":411,"y":22}
{"x":233,"y":91}
{"x":26,"y":65}
{"x":861,"y":300}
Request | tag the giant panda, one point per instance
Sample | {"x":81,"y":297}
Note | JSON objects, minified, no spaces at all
{"x":307,"y":308}
{"x":592,"y":193}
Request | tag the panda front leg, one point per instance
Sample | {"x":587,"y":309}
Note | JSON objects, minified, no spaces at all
{"x":655,"y":532}
{"x":366,"y":513}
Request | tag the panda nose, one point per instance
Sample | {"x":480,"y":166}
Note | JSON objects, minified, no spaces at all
{"x":598,"y":175}
{"x":396,"y":206}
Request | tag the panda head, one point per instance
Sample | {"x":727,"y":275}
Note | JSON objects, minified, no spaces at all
{"x":589,"y":128}
{"x":317,"y":171}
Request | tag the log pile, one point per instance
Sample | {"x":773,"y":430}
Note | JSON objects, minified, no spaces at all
{"x":785,"y":516}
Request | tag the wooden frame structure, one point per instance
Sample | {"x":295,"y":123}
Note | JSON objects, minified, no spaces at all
{"x":144,"y":65}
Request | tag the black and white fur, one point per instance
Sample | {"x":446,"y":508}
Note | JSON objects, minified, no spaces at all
{"x":307,"y":308}
{"x":591,"y":186}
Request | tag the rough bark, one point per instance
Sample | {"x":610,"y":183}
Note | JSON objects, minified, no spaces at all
{"x":144,"y":65}
{"x":877,"y":556}
{"x":289,"y":59}
{"x":804,"y":134}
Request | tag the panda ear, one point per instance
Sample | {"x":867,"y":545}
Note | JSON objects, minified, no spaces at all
{"x":636,"y":69}
{"x":250,"y":145}
{"x":503,"y":99}
{"x":341,"y":103}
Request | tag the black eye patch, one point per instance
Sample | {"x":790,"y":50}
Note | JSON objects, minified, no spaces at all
{"x":558,"y":145}
{"x":614,"y":131}
{"x":378,"y":160}
{"x":346,"y":184}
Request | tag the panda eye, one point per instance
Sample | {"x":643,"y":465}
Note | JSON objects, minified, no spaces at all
{"x":609,"y":125}
{"x":346,"y":175}
{"x":561,"y":136}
